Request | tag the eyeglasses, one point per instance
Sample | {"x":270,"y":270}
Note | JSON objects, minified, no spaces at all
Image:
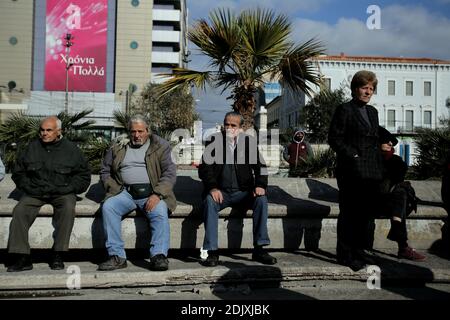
{"x":47,"y":130}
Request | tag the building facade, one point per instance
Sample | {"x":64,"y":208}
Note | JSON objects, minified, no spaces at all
{"x":127,"y":42}
{"x":412,"y":93}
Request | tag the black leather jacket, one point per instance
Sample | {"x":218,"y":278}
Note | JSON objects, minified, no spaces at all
{"x":51,"y":169}
{"x":250,"y":167}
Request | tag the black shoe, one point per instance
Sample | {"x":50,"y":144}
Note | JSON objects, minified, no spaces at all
{"x":262,"y":256}
{"x":365,"y":256}
{"x":212,"y":260}
{"x":113,"y":263}
{"x":159,"y":262}
{"x":57,"y":262}
{"x":22,"y":263}
{"x":354,"y":264}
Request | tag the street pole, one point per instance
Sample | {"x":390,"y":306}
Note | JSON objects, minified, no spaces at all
{"x":68,"y":44}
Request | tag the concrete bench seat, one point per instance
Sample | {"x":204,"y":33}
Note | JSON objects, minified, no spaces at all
{"x":302,"y":213}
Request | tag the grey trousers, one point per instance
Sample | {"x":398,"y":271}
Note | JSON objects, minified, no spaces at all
{"x":25,"y":213}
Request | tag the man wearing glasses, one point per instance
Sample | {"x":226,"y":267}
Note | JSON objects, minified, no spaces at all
{"x":50,"y":170}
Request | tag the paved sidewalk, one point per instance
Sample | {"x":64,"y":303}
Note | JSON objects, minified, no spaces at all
{"x":237,"y":268}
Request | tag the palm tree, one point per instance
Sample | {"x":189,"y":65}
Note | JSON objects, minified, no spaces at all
{"x":19,"y":129}
{"x":245,"y":51}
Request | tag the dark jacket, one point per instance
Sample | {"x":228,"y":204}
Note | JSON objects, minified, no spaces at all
{"x":160,"y":169}
{"x":350,"y":135}
{"x":250,"y":167}
{"x":297,"y":152}
{"x":445,"y":188}
{"x":45,"y":170}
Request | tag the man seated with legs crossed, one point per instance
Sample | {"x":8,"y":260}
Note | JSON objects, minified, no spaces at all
{"x":138,"y":173}
{"x":232,"y":174}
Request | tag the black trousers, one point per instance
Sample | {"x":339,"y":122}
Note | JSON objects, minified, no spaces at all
{"x":390,"y":205}
{"x":25,"y":213}
{"x":357,"y":200}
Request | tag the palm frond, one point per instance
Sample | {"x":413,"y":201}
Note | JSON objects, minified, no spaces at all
{"x":69,"y":121}
{"x":181,"y":78}
{"x":264,"y":36}
{"x":217,"y":39}
{"x":122,"y":118}
{"x":298,"y":68}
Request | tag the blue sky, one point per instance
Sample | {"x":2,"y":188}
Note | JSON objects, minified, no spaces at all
{"x":409,"y":28}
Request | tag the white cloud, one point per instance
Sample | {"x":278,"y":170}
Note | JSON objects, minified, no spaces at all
{"x":405,"y":31}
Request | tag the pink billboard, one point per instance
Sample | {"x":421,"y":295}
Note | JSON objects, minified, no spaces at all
{"x":86,"y":21}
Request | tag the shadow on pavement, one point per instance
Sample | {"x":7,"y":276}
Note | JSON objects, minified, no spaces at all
{"x":260,"y":283}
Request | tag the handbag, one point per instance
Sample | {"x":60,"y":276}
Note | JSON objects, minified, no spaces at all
{"x":140,"y":190}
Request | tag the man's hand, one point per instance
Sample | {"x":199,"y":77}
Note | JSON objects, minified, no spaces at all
{"x":152,"y":202}
{"x":216,"y":194}
{"x":259,"y":192}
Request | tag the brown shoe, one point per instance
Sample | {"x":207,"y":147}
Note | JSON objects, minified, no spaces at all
{"x":411,"y":254}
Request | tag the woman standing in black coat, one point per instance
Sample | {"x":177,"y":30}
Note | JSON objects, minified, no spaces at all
{"x":353,"y":135}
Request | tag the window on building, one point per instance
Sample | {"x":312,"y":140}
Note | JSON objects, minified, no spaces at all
{"x":427,"y":119}
{"x":409,"y":88}
{"x":162,"y":49}
{"x":391,"y":118}
{"x":427,"y":88}
{"x":391,"y":88}
{"x":163,"y":6}
{"x":327,"y":83}
{"x":161,"y":69}
{"x":163,"y":27}
{"x":409,"y":120}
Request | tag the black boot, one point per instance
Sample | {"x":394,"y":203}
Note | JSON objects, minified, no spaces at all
{"x":261,"y":255}
{"x":22,"y":263}
{"x":57,"y":263}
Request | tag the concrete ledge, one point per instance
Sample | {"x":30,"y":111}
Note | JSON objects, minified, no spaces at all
{"x":302,"y":213}
{"x":235,"y":269}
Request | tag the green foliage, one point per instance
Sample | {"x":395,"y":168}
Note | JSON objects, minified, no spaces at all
{"x":321,"y":165}
{"x":94,"y":150}
{"x":433,"y":148}
{"x":317,"y":114}
{"x":286,"y":136}
{"x":19,"y":129}
{"x":169,"y":112}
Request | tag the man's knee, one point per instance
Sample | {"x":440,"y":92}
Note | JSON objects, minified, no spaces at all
{"x":261,"y":201}
{"x":210,"y":206}
{"x":161,"y":209}
{"x":22,"y":211}
{"x":108,"y":206}
{"x":69,"y":201}
{"x":209,"y":202}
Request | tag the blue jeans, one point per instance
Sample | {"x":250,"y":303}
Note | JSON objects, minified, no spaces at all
{"x":211,"y":217}
{"x":116,"y":207}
